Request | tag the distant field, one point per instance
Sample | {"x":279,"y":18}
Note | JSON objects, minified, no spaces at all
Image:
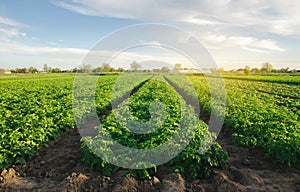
{"x":17,"y":76}
{"x":278,"y":78}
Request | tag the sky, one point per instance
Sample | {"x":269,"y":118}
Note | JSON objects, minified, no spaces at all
{"x":236,"y":33}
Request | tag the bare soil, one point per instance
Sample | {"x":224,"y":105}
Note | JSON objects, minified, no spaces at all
{"x":58,"y":168}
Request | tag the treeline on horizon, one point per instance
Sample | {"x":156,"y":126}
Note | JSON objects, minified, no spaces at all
{"x":136,"y":67}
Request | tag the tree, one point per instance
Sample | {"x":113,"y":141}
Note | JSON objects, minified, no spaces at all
{"x":56,"y":70}
{"x":97,"y":70}
{"x":284,"y":70}
{"x":255,"y":70}
{"x":247,"y":70}
{"x":221,"y":70}
{"x":213,"y":70}
{"x":75,"y":70}
{"x":135,"y":66}
{"x":177,"y":67}
{"x":120,"y":69}
{"x":266,"y":67}
{"x":86,"y":68}
{"x":165,"y":69}
{"x":45,"y":68}
{"x":22,"y":70}
{"x":106,"y":68}
{"x":293,"y":71}
{"x":33,"y":70}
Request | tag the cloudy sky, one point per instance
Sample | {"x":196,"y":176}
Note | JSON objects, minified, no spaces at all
{"x":235,"y":32}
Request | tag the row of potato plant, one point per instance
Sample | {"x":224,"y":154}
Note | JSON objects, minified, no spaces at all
{"x":254,"y":119}
{"x":159,"y":123}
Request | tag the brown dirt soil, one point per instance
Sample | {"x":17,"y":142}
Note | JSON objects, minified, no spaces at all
{"x":57,"y":168}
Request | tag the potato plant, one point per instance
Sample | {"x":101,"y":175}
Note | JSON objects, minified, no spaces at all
{"x":138,"y":111}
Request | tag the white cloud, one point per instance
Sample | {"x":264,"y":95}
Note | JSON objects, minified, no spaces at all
{"x":278,"y":17}
{"x":10,"y":22}
{"x":51,"y":43}
{"x":38,"y":55}
{"x":30,"y":50}
{"x":140,"y":54}
{"x":10,"y":33}
{"x":202,"y":21}
{"x":125,"y":58}
{"x":15,"y":42}
{"x":71,"y":57}
{"x":9,"y":29}
{"x":15,"y":45}
{"x":255,"y":50}
{"x":247,"y":43}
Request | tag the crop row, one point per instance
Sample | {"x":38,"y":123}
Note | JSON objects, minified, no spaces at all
{"x":280,"y":94}
{"x":285,"y":79}
{"x":32,"y":112}
{"x":254,"y":119}
{"x":36,"y":109}
{"x":157,"y":121}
